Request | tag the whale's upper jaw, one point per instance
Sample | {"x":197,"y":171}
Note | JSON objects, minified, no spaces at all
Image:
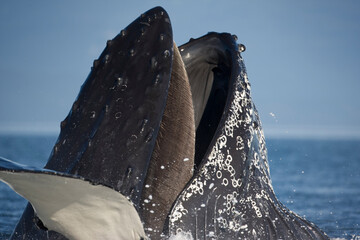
{"x":110,"y":132}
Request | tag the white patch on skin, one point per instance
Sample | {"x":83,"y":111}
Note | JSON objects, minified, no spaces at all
{"x":181,"y":236}
{"x":76,"y":208}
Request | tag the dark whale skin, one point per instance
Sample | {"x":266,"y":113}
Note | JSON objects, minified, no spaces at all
{"x":111,"y":129}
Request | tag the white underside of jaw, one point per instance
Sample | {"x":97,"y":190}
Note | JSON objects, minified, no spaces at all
{"x":76,"y":208}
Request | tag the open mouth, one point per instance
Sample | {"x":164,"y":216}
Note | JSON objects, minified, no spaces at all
{"x":161,"y":140}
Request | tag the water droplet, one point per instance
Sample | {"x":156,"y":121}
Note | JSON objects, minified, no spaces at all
{"x":119,"y":81}
{"x":143,"y":125}
{"x":186,"y":159}
{"x":124,"y":84}
{"x":123,"y":33}
{"x":162,"y":167}
{"x":162,"y":37}
{"x":147,"y":186}
{"x":132,"y":191}
{"x":107,"y":58}
{"x":166,"y":53}
{"x":106,"y":108}
{"x":150,"y":135}
{"x":128,"y":173}
{"x":143,"y":30}
{"x":120,"y":100}
{"x":157,"y":80}
{"x":89,"y":143}
{"x":132,"y":52}
{"x":241,"y":48}
{"x":92,"y":114}
{"x":154,"y":63}
{"x":118,"y":115}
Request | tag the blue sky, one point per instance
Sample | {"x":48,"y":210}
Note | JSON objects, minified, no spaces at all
{"x":302,"y":57}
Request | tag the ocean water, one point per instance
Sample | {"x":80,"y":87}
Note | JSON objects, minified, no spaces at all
{"x":318,"y":179}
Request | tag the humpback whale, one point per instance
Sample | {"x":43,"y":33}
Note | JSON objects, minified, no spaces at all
{"x":161,"y":141}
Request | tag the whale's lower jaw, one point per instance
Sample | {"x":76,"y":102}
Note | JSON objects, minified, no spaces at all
{"x":74,"y":206}
{"x":230,"y":195}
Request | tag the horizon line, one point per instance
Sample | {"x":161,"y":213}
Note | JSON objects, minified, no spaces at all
{"x":270,"y":131}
